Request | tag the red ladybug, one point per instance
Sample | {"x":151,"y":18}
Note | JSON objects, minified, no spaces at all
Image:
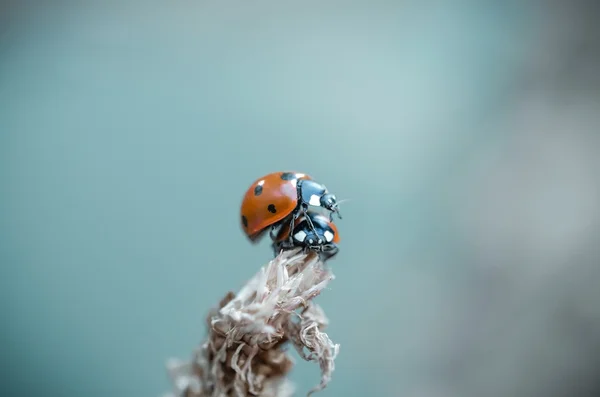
{"x":279,"y":197}
{"x":322,"y":237}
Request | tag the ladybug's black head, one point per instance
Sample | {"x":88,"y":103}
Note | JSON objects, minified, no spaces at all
{"x":329,"y":202}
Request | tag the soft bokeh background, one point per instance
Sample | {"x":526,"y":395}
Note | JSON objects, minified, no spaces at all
{"x":465,"y":134}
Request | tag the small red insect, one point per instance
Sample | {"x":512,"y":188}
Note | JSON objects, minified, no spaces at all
{"x":322,"y":237}
{"x":280,"y":197}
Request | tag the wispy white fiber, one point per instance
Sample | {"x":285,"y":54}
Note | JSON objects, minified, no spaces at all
{"x":244,"y":353}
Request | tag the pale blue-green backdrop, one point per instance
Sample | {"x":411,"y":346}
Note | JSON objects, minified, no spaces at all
{"x":129,"y":132}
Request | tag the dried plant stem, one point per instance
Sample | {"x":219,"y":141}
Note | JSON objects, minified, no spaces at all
{"x":245,"y":351}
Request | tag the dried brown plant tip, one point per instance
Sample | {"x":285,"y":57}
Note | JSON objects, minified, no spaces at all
{"x":245,"y":351}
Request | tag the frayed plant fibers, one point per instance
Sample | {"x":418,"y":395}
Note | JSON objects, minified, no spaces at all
{"x":245,"y":351}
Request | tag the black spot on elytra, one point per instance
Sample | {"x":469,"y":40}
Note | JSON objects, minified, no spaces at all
{"x":272,"y":208}
{"x":244,"y":221}
{"x":258,"y":190}
{"x":288,"y":176}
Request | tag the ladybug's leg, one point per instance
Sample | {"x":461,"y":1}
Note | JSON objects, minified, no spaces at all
{"x":303,"y":209}
{"x":335,"y":211}
{"x":329,"y":251}
{"x":310,"y":224}
{"x":292,"y":221}
{"x":277,"y":249}
{"x":306,"y":249}
{"x":272,"y":233}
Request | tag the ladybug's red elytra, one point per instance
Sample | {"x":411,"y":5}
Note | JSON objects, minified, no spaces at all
{"x":279,"y":197}
{"x":322,"y":237}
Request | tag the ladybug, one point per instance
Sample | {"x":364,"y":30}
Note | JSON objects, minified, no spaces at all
{"x":281,"y":197}
{"x":322,"y":237}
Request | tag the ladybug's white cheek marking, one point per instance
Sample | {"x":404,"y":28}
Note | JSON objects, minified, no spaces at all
{"x":315,"y":200}
{"x":300,"y":236}
{"x":328,"y":236}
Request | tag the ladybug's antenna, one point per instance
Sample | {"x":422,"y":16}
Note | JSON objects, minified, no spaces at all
{"x":343,"y":201}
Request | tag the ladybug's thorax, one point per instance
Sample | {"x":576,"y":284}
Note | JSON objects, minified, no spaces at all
{"x":311,"y":192}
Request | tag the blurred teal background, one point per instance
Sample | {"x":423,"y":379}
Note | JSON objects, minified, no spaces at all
{"x":465,"y":136}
